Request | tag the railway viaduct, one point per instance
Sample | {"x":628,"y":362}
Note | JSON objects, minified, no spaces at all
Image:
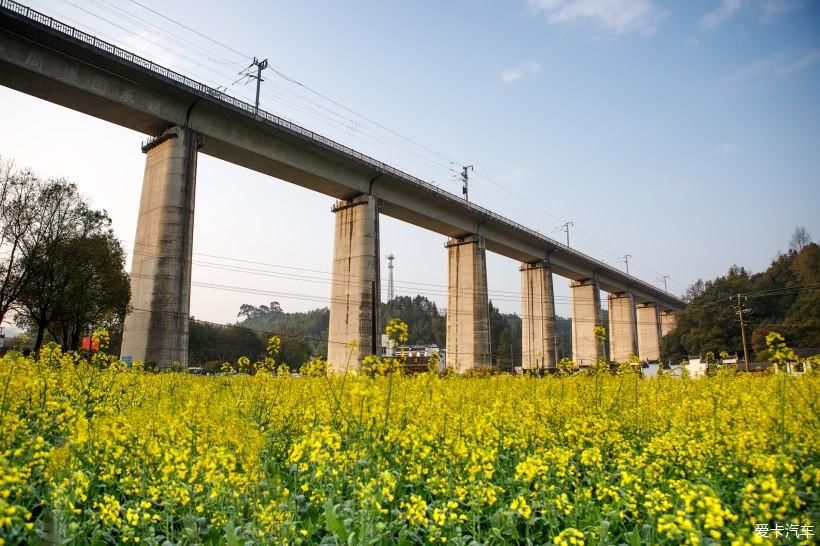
{"x":48,"y":59}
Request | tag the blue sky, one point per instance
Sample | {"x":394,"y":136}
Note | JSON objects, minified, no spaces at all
{"x":686,"y":134}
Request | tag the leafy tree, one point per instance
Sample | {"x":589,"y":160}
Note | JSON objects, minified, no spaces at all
{"x":97,"y":290}
{"x":505,"y":339}
{"x":296,"y":351}
{"x":709,"y":322}
{"x":214,"y":344}
{"x":304,"y":335}
{"x":427,"y":324}
{"x":802,"y":321}
{"x":76,"y":254}
{"x":247,"y":311}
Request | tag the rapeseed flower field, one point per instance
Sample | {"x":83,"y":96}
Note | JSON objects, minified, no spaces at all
{"x":93,"y":453}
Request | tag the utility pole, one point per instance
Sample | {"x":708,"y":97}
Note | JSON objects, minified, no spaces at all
{"x":565,"y":228}
{"x":465,"y":178}
{"x":625,"y":259}
{"x":664,"y":279}
{"x":390,"y":293}
{"x":739,"y":310}
{"x":260,"y":66}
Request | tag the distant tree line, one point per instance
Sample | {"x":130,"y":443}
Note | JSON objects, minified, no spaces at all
{"x":784,"y":298}
{"x":61,"y":267}
{"x":304,"y":334}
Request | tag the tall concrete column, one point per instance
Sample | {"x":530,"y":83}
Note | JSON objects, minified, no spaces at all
{"x":355,"y":294}
{"x":538,"y":341}
{"x":649,"y":346}
{"x":586,"y":314}
{"x":669,"y":321}
{"x":156,"y":330}
{"x":621,"y":327}
{"x":468,"y":309}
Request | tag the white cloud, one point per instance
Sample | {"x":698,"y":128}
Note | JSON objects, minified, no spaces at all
{"x":805,"y":61}
{"x":620,"y":16}
{"x":517,"y":72}
{"x":724,"y":11}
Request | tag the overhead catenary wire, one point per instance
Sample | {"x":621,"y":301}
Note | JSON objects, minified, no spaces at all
{"x":313,"y":91}
{"x":225,"y":77}
{"x":119,"y":39}
{"x":424,"y":288}
{"x":131,"y":31}
{"x":189,"y":29}
{"x":448,"y":164}
{"x":307,"y":297}
{"x":310,"y":297}
{"x":122,"y":13}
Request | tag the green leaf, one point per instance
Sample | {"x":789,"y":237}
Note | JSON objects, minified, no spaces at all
{"x":230,"y":535}
{"x":332,"y":522}
{"x":635,"y":538}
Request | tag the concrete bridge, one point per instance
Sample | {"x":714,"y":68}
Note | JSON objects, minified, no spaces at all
{"x":48,"y":59}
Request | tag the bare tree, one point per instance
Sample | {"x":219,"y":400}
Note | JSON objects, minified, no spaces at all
{"x":20,"y":233}
{"x":800,"y":238}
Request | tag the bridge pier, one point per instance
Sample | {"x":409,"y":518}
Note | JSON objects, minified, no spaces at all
{"x":669,"y":321}
{"x":156,"y":329}
{"x":586,"y":314}
{"x":468,"y":309}
{"x":621,"y":327}
{"x":538,"y":342}
{"x":649,"y":347}
{"x":354,"y":330}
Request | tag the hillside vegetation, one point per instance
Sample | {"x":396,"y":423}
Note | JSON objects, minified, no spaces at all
{"x":426,"y":322}
{"x":784,"y":298}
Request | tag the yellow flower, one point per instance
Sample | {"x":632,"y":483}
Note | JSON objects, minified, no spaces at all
{"x":519,"y":505}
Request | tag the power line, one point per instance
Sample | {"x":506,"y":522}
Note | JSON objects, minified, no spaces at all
{"x":136,"y":34}
{"x":284,"y":76}
{"x":126,"y":15}
{"x":308,"y":88}
{"x":189,"y":29}
{"x":421,"y":288}
{"x":325,"y":97}
{"x":287,"y":78}
{"x":379,"y":141}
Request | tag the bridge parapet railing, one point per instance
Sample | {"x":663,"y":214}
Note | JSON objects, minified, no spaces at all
{"x":252,"y":111}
